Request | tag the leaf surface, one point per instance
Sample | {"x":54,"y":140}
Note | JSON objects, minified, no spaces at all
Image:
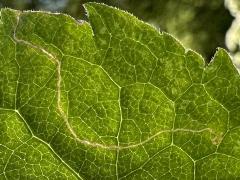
{"x":112,"y":99}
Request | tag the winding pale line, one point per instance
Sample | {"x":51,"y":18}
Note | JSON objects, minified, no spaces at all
{"x":65,"y":118}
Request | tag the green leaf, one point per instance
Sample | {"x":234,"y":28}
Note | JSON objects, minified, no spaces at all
{"x":183,"y":19}
{"x":113,"y":99}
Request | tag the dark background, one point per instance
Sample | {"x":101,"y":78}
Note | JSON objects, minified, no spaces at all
{"x":199,"y":24}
